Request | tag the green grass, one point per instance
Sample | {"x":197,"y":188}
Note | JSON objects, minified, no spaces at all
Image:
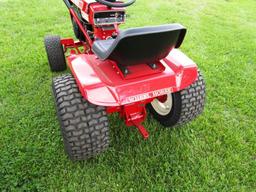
{"x":216,"y":152}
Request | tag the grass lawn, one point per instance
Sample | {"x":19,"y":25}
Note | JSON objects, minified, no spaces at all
{"x":216,"y":152}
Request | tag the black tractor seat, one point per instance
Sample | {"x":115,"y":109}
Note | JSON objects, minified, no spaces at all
{"x":140,"y":45}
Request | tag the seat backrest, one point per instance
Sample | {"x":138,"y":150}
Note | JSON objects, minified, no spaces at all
{"x":146,"y":44}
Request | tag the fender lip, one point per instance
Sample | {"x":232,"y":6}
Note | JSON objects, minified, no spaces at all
{"x":101,"y":85}
{"x":185,"y":68}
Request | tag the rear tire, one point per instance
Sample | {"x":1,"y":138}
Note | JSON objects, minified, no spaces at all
{"x":84,"y":126}
{"x":55,"y":53}
{"x":185,"y":105}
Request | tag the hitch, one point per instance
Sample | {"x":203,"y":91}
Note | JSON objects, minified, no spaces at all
{"x":134,"y":115}
{"x":144,"y":133}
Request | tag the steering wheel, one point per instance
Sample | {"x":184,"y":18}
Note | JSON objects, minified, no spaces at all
{"x":112,"y":3}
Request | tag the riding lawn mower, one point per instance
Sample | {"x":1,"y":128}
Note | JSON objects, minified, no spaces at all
{"x":131,"y":72}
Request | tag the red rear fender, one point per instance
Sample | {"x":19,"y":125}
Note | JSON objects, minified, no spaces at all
{"x":101,"y":84}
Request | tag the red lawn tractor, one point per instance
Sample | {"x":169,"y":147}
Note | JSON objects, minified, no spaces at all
{"x":130,"y":72}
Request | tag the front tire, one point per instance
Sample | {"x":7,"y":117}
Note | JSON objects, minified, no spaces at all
{"x":84,"y":126}
{"x":55,"y":53}
{"x":77,"y":31}
{"x":180,"y":107}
